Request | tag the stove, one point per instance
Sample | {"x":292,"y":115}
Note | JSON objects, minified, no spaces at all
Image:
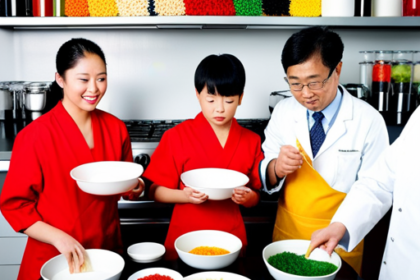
{"x":146,"y":134}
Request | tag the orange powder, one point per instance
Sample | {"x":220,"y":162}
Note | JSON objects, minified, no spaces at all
{"x":103,"y":8}
{"x":76,"y":8}
{"x":209,"y":251}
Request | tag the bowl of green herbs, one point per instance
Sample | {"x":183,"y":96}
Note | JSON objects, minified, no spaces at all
{"x":285,"y":260}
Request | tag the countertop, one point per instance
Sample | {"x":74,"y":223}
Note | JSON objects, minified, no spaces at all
{"x":251,"y":266}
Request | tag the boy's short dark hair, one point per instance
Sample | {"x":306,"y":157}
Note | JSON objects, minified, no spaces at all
{"x":223,"y":74}
{"x":310,"y":41}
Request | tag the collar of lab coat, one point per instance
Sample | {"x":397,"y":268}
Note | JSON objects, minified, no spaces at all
{"x":335,"y":132}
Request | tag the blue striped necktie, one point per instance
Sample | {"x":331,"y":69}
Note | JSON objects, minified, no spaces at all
{"x":317,"y":133}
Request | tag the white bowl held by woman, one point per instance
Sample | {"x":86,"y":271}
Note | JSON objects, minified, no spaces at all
{"x":107,"y":177}
{"x":216,"y":275}
{"x":212,"y":238}
{"x":146,"y":252}
{"x":106,"y":265}
{"x":298,"y":247}
{"x":156,"y":270}
{"x":217,"y":183}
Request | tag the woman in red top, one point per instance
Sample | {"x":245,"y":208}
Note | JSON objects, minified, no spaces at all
{"x":39,"y":197}
{"x":213,"y":139}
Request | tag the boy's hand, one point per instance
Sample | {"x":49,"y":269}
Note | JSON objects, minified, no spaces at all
{"x":194,"y":197}
{"x":242,"y":195}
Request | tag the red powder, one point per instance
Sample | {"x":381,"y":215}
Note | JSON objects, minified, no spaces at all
{"x":156,"y":277}
{"x":209,"y":7}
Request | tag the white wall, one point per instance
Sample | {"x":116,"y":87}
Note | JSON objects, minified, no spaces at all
{"x":151,"y":72}
{"x":7,"y":64}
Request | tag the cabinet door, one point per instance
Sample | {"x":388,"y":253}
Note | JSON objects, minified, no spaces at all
{"x":12,"y":250}
{"x":6,"y":230}
{"x":9,"y":272}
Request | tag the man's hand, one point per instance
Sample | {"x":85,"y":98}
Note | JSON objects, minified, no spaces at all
{"x":327,"y":238}
{"x":288,"y":161}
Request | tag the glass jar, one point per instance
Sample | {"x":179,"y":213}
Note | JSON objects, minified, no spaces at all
{"x":402,"y":101}
{"x":381,"y":80}
{"x":411,"y":8}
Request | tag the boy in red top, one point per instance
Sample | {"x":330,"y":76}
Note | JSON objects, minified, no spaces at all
{"x":214,"y":139}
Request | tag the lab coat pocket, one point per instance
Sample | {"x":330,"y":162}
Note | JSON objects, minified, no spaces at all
{"x":348,"y":164}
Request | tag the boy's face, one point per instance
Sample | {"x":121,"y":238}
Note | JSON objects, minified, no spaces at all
{"x":218,"y":110}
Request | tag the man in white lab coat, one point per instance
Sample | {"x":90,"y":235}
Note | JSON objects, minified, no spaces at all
{"x":318,"y":142}
{"x":394,"y":179}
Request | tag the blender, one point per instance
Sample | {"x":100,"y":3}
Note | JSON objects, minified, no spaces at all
{"x":381,"y":80}
{"x":402,"y":102}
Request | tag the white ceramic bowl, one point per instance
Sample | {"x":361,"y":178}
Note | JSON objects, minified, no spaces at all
{"x":217,"y":183}
{"x":106,"y":265}
{"x":156,"y":270}
{"x":216,"y":275}
{"x":221,"y":239}
{"x":146,"y":252}
{"x":107,"y":177}
{"x":298,"y":247}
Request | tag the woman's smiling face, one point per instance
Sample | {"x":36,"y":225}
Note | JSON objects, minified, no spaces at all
{"x":85,"y":84}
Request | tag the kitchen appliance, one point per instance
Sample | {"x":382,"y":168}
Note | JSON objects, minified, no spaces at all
{"x":358,"y":90}
{"x":334,"y":8}
{"x":381,"y":80}
{"x":366,"y":67}
{"x":276,"y":97}
{"x":146,"y":134}
{"x":6,"y":103}
{"x":34,"y":99}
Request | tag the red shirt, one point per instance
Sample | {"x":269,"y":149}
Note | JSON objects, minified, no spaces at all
{"x":192,"y":145}
{"x":38,"y":186}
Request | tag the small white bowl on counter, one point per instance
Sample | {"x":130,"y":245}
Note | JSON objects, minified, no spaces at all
{"x":298,"y":247}
{"x":107,"y":177}
{"x":156,"y":270}
{"x":217,"y":183}
{"x":216,"y":275}
{"x":146,"y":252}
{"x":106,"y":265}
{"x":212,"y":238}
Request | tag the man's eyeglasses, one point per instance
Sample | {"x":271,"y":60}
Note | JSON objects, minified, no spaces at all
{"x":312,"y":85}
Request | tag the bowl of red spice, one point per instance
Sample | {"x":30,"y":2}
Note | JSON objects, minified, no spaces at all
{"x":208,"y":249}
{"x":285,"y":260}
{"x":156,"y":273}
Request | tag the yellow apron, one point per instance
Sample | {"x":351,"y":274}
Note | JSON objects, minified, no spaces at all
{"x":307,"y":203}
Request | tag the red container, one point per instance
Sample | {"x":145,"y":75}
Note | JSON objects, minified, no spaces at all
{"x":411,"y":8}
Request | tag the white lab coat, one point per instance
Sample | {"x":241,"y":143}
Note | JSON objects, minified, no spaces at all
{"x":393,"y":179}
{"x":353,"y":143}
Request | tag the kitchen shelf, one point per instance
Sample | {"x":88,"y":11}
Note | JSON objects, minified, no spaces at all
{"x":205,"y":22}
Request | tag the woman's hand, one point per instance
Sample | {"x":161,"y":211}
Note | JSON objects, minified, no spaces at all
{"x":72,"y":250}
{"x":65,"y":244}
{"x":245,"y":196}
{"x":135,"y":193}
{"x":194,"y":197}
{"x":241,"y":195}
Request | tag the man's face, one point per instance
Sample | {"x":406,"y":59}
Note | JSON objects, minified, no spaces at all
{"x":314,"y":71}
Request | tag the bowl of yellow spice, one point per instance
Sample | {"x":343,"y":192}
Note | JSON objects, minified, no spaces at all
{"x":208,"y":249}
{"x":285,"y":260}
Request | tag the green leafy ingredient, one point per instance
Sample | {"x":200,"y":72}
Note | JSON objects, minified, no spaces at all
{"x":299,"y":265}
{"x":401,"y":73}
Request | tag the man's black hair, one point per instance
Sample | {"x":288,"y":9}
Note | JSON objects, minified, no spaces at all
{"x":312,"y":41}
{"x":223,"y":74}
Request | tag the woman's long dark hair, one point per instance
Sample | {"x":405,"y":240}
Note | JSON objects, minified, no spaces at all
{"x":67,"y":57}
